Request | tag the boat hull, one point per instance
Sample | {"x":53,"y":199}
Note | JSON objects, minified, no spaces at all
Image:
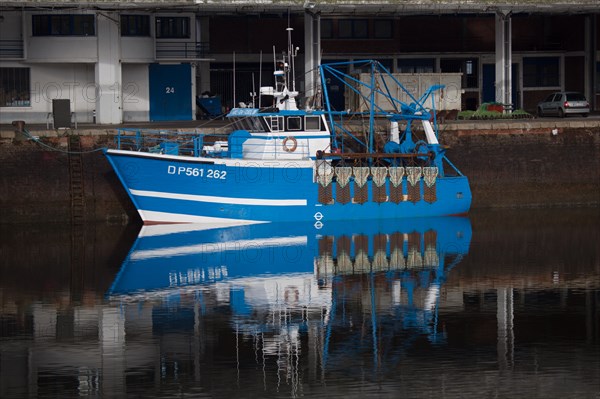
{"x":176,"y":189}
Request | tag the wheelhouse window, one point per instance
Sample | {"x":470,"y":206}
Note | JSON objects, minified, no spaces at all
{"x":541,"y":72}
{"x":15,"y":87}
{"x":63,"y":25}
{"x":172,"y":27}
{"x":239,"y":124}
{"x":251,"y":124}
{"x":256,"y":125}
{"x":275,"y":123}
{"x":294,"y":123}
{"x":135,"y":25}
{"x":313,"y":123}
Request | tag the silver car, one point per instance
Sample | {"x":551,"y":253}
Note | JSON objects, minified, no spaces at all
{"x":564,"y":103}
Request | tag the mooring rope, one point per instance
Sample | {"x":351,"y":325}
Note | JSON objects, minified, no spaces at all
{"x":29,"y":136}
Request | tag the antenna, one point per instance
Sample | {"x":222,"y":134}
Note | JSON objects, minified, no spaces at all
{"x":253,"y":91}
{"x":259,"y":78}
{"x":233,"y":80}
{"x":291,"y":56}
{"x":290,"y":59}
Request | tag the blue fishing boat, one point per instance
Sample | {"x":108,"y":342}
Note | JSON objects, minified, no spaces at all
{"x":282,"y":163}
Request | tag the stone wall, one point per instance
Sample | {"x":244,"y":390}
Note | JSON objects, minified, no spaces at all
{"x":508,"y":165}
{"x":529,"y":168}
{"x":34,"y":183}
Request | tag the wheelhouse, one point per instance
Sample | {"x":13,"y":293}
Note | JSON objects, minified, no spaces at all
{"x":276,"y":123}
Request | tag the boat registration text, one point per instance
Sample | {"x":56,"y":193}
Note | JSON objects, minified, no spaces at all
{"x":197,"y":172}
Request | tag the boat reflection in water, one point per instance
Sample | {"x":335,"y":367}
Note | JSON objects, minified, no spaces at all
{"x":342,"y":289}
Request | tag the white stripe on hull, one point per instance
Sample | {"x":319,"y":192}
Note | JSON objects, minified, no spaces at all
{"x":220,"y":200}
{"x":165,"y":217}
{"x":176,"y":228}
{"x":238,"y":245}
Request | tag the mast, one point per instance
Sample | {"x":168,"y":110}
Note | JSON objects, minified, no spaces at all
{"x":284,"y":98}
{"x":259,"y":80}
{"x":233,"y":105}
{"x":291,"y":56}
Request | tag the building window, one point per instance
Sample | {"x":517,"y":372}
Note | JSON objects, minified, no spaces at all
{"x":326,"y":29}
{"x":416,"y":65}
{"x":353,"y":28}
{"x":383,"y":29}
{"x":135,"y":25}
{"x":541,"y":72}
{"x":63,"y":25}
{"x":469,"y":67}
{"x":366,"y":67}
{"x":172,"y":27}
{"x":14,"y":87}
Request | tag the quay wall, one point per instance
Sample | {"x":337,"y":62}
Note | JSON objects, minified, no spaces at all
{"x":523,"y":164}
{"x":511,"y":166}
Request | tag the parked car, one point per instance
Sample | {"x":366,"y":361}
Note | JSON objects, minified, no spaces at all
{"x":564,"y":103}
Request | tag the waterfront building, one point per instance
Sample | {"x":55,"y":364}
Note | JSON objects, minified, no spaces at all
{"x":151,"y":60}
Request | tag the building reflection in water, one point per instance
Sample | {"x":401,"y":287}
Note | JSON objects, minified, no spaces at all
{"x":298,"y":309}
{"x":280,"y":285}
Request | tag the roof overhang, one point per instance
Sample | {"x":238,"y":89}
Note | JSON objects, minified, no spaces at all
{"x":324,"y":7}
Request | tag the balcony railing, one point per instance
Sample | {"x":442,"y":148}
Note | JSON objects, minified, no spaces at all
{"x":181,"y":50}
{"x":11,"y":49}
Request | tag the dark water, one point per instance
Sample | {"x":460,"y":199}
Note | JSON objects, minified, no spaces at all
{"x":502,"y":304}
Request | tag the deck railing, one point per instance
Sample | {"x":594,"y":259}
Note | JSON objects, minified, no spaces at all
{"x":210,"y":145}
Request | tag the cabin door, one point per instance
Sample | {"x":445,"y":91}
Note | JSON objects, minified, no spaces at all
{"x":170,"y":92}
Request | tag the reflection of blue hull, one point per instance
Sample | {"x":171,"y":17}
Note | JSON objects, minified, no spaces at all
{"x":171,"y":256}
{"x":194,"y":189}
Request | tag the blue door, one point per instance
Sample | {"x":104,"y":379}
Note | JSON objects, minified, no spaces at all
{"x":170,"y":92}
{"x":488,"y":92}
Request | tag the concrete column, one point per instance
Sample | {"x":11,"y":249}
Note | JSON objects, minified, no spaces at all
{"x":44,"y":323}
{"x":590,"y":45}
{"x":203,"y":69}
{"x":312,"y":51}
{"x":199,"y":333}
{"x":112,"y":347}
{"x":503,"y":58}
{"x":108,"y":69}
{"x":505,"y":336}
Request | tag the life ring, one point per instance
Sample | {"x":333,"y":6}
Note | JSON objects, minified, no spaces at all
{"x":291,"y":148}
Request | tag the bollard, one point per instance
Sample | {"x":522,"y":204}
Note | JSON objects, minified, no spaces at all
{"x":19,"y":126}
